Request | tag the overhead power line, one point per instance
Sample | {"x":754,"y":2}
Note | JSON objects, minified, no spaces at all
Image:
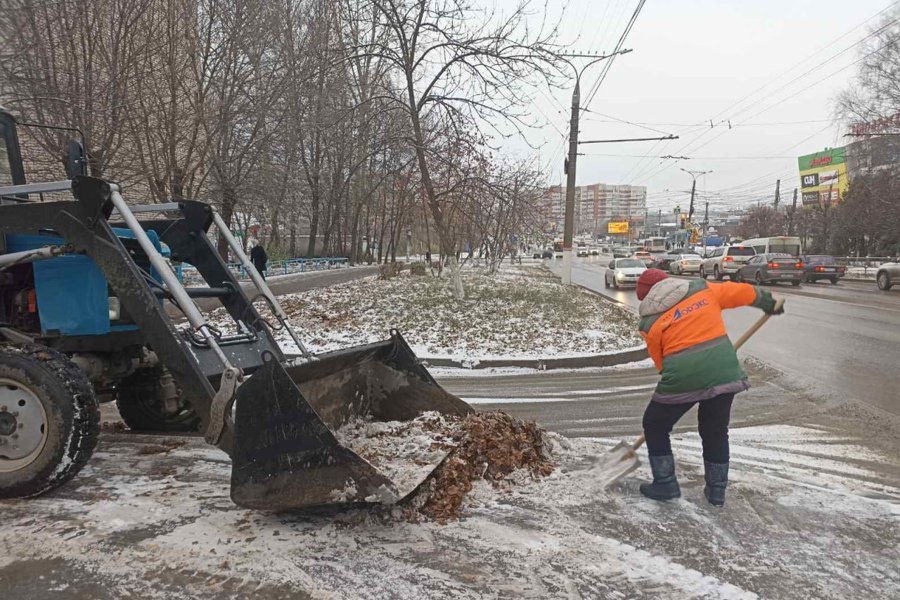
{"x":619,"y":44}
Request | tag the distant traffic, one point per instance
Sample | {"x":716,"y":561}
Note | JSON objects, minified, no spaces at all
{"x":762,"y":261}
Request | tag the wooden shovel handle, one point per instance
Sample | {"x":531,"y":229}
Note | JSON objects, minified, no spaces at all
{"x":638,"y":442}
{"x":755,"y":327}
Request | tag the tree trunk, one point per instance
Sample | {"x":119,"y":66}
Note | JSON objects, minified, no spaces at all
{"x":313,"y":225}
{"x":229,"y":199}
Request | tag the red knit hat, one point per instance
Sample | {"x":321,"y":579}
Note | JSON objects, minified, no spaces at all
{"x":647,"y":280}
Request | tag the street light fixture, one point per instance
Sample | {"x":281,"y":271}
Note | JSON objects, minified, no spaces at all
{"x":573,"y":157}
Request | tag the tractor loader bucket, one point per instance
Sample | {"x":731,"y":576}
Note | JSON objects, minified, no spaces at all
{"x":286,"y":454}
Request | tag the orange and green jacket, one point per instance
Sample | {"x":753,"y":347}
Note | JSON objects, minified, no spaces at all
{"x":681,"y":323}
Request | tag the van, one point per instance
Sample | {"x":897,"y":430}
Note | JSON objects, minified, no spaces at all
{"x":780,"y":244}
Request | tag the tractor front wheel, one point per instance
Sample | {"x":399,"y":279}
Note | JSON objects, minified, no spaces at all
{"x":148,"y":400}
{"x":49,"y":420}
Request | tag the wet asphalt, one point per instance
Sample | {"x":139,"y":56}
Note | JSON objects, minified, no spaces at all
{"x":842,"y":340}
{"x":837,"y":344}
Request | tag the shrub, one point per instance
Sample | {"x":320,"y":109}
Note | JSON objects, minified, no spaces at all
{"x":389,"y":270}
{"x":418,"y":269}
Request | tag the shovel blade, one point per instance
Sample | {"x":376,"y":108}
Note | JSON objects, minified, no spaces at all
{"x":616,"y":464}
{"x":286,"y":454}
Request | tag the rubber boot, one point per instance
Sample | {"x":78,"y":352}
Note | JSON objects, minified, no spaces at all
{"x":665,"y":485}
{"x":716,"y":482}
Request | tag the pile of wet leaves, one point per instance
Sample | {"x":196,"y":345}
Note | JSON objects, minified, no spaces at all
{"x":490,"y":446}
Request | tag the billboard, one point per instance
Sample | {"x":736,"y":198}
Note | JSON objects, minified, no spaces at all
{"x":614,"y":227}
{"x":823,"y":176}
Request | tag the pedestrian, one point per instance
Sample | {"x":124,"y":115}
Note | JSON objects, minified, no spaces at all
{"x":681,"y":323}
{"x":259,"y":258}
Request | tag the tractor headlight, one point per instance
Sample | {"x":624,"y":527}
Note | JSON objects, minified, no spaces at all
{"x":115,"y":309}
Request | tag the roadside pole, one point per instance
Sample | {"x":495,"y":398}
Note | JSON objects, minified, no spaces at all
{"x":570,"y":185}
{"x":572,"y":160}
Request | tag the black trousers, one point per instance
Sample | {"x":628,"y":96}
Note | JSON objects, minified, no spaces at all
{"x":713,"y":417}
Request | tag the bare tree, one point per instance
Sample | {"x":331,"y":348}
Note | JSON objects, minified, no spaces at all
{"x":242,"y":75}
{"x":456,"y":68}
{"x":165,"y":105}
{"x":73,"y":64}
{"x":761,"y":221}
{"x":875,"y":91}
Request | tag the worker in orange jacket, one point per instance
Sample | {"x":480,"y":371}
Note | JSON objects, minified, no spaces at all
{"x":681,"y":323}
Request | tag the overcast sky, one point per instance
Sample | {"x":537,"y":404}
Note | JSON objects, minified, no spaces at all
{"x":699,"y":60}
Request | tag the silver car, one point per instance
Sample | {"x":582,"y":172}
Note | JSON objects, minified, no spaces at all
{"x":685,"y":263}
{"x":623,"y":271}
{"x":888,"y":275}
{"x":726,"y":261}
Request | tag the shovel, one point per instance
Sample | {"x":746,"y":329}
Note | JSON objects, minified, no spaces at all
{"x":622,"y":458}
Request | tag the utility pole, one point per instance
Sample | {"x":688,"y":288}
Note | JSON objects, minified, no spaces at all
{"x":571,"y":162}
{"x":694,"y":175}
{"x":705,"y":223}
{"x":659,"y":223}
{"x":777,"y":192}
{"x":790,"y":230}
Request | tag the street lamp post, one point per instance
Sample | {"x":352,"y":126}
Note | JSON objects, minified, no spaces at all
{"x":572,"y":160}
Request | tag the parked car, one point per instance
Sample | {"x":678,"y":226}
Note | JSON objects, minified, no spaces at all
{"x":888,"y":274}
{"x":771,"y":268}
{"x":685,"y":263}
{"x":623,"y":271}
{"x":662,"y":261}
{"x":725,"y":261}
{"x":645,"y":257}
{"x":821,"y":266}
{"x":543,"y":254}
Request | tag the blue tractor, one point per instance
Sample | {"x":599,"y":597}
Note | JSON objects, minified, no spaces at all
{"x":91,"y":310}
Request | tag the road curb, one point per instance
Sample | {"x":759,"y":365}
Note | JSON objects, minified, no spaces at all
{"x":543,"y":364}
{"x":574,"y":362}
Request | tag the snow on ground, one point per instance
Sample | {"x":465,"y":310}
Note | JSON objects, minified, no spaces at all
{"x":522,"y":312}
{"x":811,"y":513}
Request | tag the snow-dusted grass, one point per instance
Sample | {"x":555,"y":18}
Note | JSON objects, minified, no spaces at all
{"x":521,"y":312}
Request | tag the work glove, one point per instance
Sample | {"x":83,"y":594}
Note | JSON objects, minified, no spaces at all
{"x":768,"y":304}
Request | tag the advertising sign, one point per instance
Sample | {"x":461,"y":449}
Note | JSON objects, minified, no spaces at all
{"x":823,"y":176}
{"x":614,"y":227}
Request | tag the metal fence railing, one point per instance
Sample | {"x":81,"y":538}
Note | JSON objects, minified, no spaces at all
{"x":862,"y":266}
{"x":189,"y":273}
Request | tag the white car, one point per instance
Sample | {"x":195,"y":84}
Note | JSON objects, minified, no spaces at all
{"x":726,"y":260}
{"x":623,"y":271}
{"x":685,"y":263}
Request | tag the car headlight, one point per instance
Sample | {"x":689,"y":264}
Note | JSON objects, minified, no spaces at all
{"x":620,"y":276}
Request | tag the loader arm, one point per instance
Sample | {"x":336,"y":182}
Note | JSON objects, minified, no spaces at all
{"x":278,"y":422}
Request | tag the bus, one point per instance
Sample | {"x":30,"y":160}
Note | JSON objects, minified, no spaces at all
{"x":781,"y":243}
{"x":655,"y":244}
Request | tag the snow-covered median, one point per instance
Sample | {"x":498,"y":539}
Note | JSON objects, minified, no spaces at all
{"x":519,"y":313}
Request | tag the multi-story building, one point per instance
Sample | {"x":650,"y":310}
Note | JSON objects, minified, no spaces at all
{"x":596,"y":205}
